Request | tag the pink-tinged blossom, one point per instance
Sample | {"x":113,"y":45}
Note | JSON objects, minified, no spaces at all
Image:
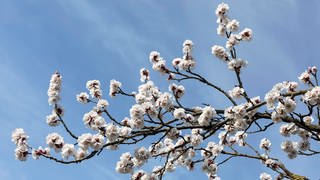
{"x":36,"y":153}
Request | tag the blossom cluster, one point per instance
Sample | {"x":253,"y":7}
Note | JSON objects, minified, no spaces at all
{"x":20,"y":138}
{"x":228,"y":27}
{"x":53,"y":98}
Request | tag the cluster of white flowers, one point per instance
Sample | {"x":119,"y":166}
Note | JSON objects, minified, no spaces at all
{"x":165,"y":101}
{"x":158,"y":63}
{"x":227,"y":27}
{"x":19,"y":137}
{"x":94,"y":88}
{"x":291,"y":147}
{"x":212,"y":150}
{"x":239,"y":115}
{"x":187,"y":61}
{"x":177,"y":90}
{"x":136,"y":114}
{"x":236,"y":92}
{"x":141,"y":156}
{"x":306,"y":76}
{"x":206,"y":116}
{"x":209,"y":167}
{"x":54,"y":97}
{"x":54,"y":88}
{"x":94,"y":120}
{"x":125,"y":165}
{"x":277,"y":90}
{"x":196,"y":137}
{"x":312,"y":97}
{"x":114,"y":87}
{"x":87,"y":140}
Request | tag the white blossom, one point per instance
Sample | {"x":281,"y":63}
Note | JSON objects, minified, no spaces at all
{"x":207,"y":114}
{"x":220,"y":52}
{"x":265,"y":144}
{"x":236,"y":92}
{"x":67,"y":151}
{"x":246,"y":34}
{"x":209,"y":166}
{"x":265,"y":176}
{"x":97,"y":141}
{"x":112,"y":132}
{"x":232,"y":41}
{"x":144,"y":75}
{"x":54,"y":88}
{"x":237,"y":64}
{"x":83,"y":97}
{"x":55,"y":141}
{"x":21,"y":152}
{"x":53,"y":119}
{"x":84,"y":141}
{"x":179,"y":113}
{"x":114,"y":87}
{"x":19,"y":137}
{"x":313,"y":96}
{"x":102,"y":104}
{"x":94,"y":88}
{"x":233,"y":25}
{"x":305,"y":77}
{"x":222,"y":10}
{"x":125,"y":165}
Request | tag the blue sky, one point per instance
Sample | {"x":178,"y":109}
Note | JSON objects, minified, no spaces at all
{"x":103,"y":40}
